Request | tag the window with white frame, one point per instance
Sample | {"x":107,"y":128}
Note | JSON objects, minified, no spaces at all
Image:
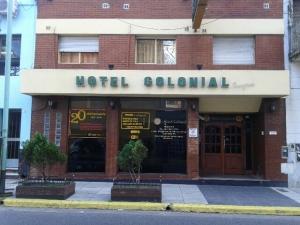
{"x":78,"y":50}
{"x":234,"y":50}
{"x":156,"y":51}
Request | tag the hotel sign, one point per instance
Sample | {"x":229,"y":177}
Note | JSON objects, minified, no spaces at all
{"x":158,"y":81}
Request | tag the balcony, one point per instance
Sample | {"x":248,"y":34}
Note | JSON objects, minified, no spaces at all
{"x":294,"y":53}
{"x":199,"y":7}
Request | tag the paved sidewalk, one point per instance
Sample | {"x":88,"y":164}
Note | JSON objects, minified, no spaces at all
{"x":250,"y":196}
{"x":195,"y":194}
{"x":100,"y":191}
{"x":171,"y":193}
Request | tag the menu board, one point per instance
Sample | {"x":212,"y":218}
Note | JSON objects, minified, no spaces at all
{"x":87,"y":123}
{"x":135,"y":121}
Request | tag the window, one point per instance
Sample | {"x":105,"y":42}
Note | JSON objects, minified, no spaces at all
{"x":78,"y":50}
{"x":156,"y":51}
{"x":162,"y":130}
{"x":234,"y":51}
{"x":15,"y":49}
{"x":87,"y":135}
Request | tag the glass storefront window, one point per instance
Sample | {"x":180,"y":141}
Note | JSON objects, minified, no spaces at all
{"x":86,"y":155}
{"x":87,"y":135}
{"x":162,"y":130}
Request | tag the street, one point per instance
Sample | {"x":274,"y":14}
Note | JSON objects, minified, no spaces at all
{"x":23,"y":216}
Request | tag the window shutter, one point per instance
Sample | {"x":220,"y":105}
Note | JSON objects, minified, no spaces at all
{"x":233,"y":51}
{"x":79,"y":44}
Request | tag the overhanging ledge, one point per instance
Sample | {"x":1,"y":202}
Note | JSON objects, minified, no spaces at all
{"x":147,"y":83}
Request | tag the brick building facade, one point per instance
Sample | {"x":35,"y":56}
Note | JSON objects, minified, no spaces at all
{"x":205,"y":102}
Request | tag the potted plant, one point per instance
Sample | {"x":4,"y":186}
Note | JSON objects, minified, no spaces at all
{"x":42,"y":155}
{"x":130,"y":159}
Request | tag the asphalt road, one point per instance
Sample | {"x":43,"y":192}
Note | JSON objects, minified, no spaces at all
{"x":21,"y":216}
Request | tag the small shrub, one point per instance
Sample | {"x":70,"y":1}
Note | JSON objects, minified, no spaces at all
{"x":131,"y":157}
{"x":41,"y":154}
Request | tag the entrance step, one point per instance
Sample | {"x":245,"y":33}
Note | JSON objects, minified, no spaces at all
{"x":241,"y":181}
{"x":12,"y":173}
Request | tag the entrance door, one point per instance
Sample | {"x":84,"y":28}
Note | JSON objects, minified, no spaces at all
{"x":233,"y":154}
{"x":222,"y":149}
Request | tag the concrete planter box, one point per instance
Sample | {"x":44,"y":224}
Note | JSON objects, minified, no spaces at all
{"x":136,"y":192}
{"x":59,"y":191}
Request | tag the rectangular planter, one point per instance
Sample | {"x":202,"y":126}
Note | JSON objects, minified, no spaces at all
{"x":136,"y":192}
{"x":53,"y":191}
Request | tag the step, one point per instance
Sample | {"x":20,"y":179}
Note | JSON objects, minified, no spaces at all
{"x":12,"y":173}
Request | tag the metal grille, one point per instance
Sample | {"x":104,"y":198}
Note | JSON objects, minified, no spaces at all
{"x":58,"y":129}
{"x":47,"y":124}
{"x":14,"y":130}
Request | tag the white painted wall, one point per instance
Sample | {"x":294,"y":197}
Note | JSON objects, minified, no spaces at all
{"x":292,"y":104}
{"x":24,"y":24}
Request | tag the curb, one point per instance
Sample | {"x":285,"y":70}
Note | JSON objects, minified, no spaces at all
{"x":234,"y":209}
{"x":146,"y":206}
{"x":41,"y":203}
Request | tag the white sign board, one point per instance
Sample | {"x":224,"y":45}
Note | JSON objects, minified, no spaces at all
{"x":193,"y":132}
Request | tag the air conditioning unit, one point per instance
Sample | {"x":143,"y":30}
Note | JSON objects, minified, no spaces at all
{"x":4,"y":5}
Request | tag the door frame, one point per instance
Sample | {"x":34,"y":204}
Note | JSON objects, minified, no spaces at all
{"x":222,"y":125}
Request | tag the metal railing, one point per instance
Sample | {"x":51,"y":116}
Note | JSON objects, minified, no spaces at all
{"x":295,"y":38}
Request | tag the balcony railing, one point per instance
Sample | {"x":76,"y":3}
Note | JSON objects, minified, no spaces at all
{"x":295,"y":39}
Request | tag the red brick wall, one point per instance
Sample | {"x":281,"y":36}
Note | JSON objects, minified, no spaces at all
{"x":267,"y":148}
{"x":192,"y":143}
{"x":191,"y":50}
{"x":46,"y":51}
{"x":274,"y":121}
{"x":39,"y":107}
{"x":157,"y":9}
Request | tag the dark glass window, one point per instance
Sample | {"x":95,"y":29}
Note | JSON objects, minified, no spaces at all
{"x":87,"y":135}
{"x":86,"y":155}
{"x":16,"y":50}
{"x":165,"y":138}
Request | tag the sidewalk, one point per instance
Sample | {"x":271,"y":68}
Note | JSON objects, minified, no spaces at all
{"x":100,"y":191}
{"x":180,"y":197}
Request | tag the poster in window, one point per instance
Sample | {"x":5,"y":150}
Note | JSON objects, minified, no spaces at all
{"x":87,"y":123}
{"x":135,"y":121}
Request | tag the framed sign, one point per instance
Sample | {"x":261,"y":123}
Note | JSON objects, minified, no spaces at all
{"x":135,"y":120}
{"x":87,"y":123}
{"x":193,"y":132}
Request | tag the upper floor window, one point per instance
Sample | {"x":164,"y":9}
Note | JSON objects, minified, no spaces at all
{"x":78,"y":50}
{"x":15,"y":54}
{"x":156,"y":51}
{"x":234,"y":51}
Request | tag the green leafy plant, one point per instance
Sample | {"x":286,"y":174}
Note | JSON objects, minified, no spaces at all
{"x":41,"y":154}
{"x":131,"y":157}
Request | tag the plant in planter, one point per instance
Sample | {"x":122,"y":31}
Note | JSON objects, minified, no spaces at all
{"x":130,"y":159}
{"x":42,"y":155}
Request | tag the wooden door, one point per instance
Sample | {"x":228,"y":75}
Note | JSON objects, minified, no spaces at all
{"x":233,"y":149}
{"x":222,"y":149}
{"x":212,"y":146}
